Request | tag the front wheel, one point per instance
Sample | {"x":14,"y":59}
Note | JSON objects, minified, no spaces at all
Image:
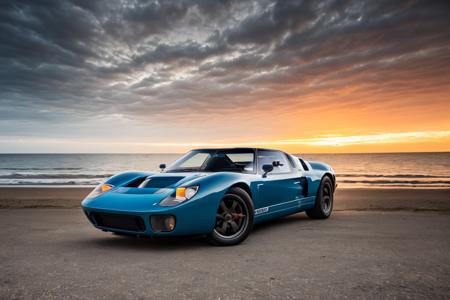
{"x":234,"y":218}
{"x":324,"y":200}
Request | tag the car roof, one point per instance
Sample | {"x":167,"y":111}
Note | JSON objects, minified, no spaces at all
{"x":236,"y":148}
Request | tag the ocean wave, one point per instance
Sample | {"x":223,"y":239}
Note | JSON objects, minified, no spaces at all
{"x":403,"y":182}
{"x":39,"y":169}
{"x":51,"y":176}
{"x":40,"y":183}
{"x":392,"y":175}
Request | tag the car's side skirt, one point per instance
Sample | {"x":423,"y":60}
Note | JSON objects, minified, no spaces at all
{"x":282,"y":209}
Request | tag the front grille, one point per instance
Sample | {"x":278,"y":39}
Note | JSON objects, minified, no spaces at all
{"x":118,"y":221}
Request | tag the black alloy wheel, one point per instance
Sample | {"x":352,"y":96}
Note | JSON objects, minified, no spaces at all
{"x":324,"y":200}
{"x":234,"y":218}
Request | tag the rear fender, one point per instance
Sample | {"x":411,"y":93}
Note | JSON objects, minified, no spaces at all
{"x":319,"y":170}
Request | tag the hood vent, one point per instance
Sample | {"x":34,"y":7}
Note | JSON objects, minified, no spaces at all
{"x":160,"y":182}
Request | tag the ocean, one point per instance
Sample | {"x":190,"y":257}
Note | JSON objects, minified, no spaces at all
{"x":420,"y":170}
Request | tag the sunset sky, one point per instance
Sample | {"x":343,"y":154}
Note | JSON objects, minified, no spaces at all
{"x":167,"y":76}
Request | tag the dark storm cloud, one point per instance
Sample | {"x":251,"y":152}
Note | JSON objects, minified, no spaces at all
{"x":74,"y":59}
{"x":274,"y":21}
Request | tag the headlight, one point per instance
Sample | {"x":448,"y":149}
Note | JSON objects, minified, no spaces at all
{"x":181,"y":194}
{"x":100,"y":189}
{"x":186,"y":193}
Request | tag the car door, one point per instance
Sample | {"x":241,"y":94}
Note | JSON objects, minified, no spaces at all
{"x":281,"y":189}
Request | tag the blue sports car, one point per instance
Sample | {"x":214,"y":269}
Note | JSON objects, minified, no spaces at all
{"x":219,"y":193}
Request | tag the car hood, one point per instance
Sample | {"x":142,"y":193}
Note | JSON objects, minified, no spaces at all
{"x":141,"y":198}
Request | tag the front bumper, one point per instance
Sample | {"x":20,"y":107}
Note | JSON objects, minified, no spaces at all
{"x":192,"y":217}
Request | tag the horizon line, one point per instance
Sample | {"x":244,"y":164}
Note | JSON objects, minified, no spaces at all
{"x":304,"y":153}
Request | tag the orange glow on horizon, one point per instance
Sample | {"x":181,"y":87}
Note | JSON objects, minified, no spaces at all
{"x":420,"y":141}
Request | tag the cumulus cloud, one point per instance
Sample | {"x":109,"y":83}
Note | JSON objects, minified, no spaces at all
{"x":69,"y":62}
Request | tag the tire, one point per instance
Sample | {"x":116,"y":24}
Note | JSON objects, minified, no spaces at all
{"x":324,"y":200}
{"x":234,"y":218}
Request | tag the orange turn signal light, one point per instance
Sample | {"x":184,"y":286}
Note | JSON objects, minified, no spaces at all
{"x":181,"y":193}
{"x":106,"y":187}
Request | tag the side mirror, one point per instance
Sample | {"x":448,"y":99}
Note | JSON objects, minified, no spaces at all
{"x":267,"y":168}
{"x":162,"y":167}
{"x":277,"y":163}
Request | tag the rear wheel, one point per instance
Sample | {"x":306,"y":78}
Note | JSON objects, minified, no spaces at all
{"x":234,"y":218}
{"x":324,"y":200}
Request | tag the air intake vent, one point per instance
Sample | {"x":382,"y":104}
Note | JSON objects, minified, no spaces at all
{"x":118,"y":221}
{"x":160,"y":182}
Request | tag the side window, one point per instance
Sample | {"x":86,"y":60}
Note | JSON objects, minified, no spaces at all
{"x":243,"y":160}
{"x":305,"y":167}
{"x":275,"y":158}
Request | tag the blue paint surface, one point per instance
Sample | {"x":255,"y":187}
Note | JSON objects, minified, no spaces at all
{"x":273,"y":196}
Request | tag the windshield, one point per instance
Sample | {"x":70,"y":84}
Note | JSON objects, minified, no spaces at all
{"x":216,"y":160}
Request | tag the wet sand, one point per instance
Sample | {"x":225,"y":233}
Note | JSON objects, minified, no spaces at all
{"x":345,"y":199}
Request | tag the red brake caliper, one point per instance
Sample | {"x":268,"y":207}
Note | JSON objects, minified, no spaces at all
{"x":237,"y":216}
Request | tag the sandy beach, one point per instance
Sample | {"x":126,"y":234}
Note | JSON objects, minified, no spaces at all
{"x":345,"y":199}
{"x":400,"y":236}
{"x":53,"y":253}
